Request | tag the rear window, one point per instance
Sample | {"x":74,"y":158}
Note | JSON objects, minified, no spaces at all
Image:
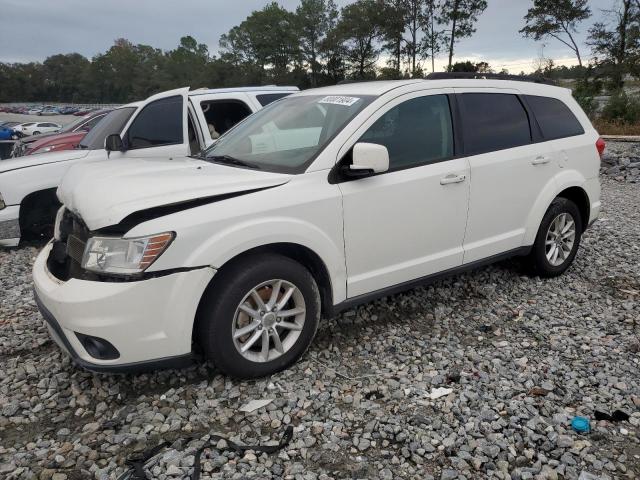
{"x":494,"y":121}
{"x":555,"y":119}
{"x":266,"y":98}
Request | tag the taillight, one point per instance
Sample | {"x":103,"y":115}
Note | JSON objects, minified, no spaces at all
{"x":600,"y":146}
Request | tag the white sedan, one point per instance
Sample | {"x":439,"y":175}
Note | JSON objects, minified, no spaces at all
{"x":40,"y":127}
{"x":20,"y":127}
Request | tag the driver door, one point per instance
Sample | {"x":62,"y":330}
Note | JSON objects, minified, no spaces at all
{"x":408,"y":222}
{"x":160,"y":128}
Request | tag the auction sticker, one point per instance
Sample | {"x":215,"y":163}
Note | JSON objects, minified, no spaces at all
{"x":339,"y":100}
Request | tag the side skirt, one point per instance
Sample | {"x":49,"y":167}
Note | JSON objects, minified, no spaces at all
{"x":384,"y":292}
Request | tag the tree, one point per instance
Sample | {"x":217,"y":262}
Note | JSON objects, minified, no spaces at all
{"x":467,"y":66}
{"x":558,"y":19}
{"x":393,"y":34}
{"x":433,"y":38}
{"x":315,"y":19}
{"x":359,"y":28}
{"x":616,"y":43}
{"x":461,"y":15}
{"x":267,"y":37}
{"x":185,"y":64}
{"x":414,"y":26}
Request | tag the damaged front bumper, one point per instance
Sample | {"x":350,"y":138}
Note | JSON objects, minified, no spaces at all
{"x":10,"y":226}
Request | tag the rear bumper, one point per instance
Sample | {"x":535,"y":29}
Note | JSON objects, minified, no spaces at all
{"x":10,"y":226}
{"x":592,"y":187}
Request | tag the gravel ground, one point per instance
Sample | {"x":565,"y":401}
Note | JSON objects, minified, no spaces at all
{"x":622,"y":161}
{"x":521,"y":355}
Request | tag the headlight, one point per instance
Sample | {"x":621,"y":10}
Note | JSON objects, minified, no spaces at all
{"x":44,"y":149}
{"x":2,"y":205}
{"x":120,"y":256}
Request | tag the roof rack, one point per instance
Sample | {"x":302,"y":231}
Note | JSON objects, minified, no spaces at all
{"x":491,"y":76}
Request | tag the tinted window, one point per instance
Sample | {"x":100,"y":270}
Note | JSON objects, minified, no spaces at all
{"x":159,"y":123}
{"x":493,"y":121}
{"x":416,"y":132}
{"x":267,"y":98}
{"x":111,"y":123}
{"x":554,"y":117}
{"x":221,"y":115}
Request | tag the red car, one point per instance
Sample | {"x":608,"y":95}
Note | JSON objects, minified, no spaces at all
{"x":67,"y":139}
{"x":54,"y":143}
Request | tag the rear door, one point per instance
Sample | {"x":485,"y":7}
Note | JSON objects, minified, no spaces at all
{"x":216,"y":113}
{"x":159,"y":128}
{"x":508,"y":169}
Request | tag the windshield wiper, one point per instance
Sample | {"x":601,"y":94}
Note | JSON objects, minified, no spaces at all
{"x":229,"y":160}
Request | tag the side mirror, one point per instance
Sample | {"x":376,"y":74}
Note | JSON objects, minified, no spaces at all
{"x":113,"y":143}
{"x":369,"y":158}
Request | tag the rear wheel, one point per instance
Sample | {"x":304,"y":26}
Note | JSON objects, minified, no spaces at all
{"x":557,"y":240}
{"x":258,"y":316}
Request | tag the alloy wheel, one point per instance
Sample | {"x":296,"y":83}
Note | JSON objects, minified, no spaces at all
{"x":560,"y":238}
{"x":268,"y":321}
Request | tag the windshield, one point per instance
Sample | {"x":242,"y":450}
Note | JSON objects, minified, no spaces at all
{"x":287,"y":135}
{"x":111,"y":123}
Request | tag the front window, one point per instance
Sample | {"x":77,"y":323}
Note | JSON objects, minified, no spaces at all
{"x":288,"y":134}
{"x":111,"y":123}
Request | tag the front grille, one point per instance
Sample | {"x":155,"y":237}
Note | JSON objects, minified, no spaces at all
{"x":66,"y":256}
{"x":75,"y":248}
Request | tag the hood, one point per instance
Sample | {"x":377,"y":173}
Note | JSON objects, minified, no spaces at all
{"x":104,"y":193}
{"x":56,"y":139}
{"x":16,"y":163}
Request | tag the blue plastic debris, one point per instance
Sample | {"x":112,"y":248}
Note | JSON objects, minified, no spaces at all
{"x":581,"y":424}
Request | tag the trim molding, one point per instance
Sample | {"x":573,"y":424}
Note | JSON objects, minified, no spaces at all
{"x":400,"y":287}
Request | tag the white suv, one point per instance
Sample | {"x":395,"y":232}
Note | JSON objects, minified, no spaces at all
{"x":323,"y":200}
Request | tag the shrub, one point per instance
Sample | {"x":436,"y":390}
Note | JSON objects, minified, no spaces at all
{"x":623,"y":108}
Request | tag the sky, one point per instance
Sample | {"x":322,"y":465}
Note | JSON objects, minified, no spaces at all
{"x":31,"y":30}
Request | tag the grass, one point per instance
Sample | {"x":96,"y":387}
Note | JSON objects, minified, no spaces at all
{"x":607,"y":127}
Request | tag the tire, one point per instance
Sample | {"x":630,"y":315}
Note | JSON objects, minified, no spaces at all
{"x":538,"y":260}
{"x":219,"y":316}
{"x":36,"y":133}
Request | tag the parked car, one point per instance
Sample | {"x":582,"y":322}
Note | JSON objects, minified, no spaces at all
{"x":40,"y":127}
{"x":69,"y":137}
{"x":34,"y":111}
{"x":170,"y":124}
{"x":21,"y":126}
{"x":7,"y":133}
{"x":326,"y":199}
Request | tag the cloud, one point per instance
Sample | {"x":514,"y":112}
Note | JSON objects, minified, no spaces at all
{"x":32,"y":30}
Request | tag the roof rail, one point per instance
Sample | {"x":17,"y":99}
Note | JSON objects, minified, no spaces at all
{"x":491,"y":76}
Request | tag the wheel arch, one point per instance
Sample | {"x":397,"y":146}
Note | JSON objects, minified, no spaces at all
{"x":33,"y":204}
{"x":299,"y":253}
{"x":568,"y":185}
{"x":580,"y":197}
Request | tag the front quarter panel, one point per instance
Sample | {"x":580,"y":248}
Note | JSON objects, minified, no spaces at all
{"x":306,"y":211}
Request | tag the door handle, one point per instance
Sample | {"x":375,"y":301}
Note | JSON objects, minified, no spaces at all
{"x":540,"y":160}
{"x":453,"y":178}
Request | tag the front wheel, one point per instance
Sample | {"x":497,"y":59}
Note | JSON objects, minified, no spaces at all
{"x":557,"y":240}
{"x":259,"y":316}
{"x":36,"y":133}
